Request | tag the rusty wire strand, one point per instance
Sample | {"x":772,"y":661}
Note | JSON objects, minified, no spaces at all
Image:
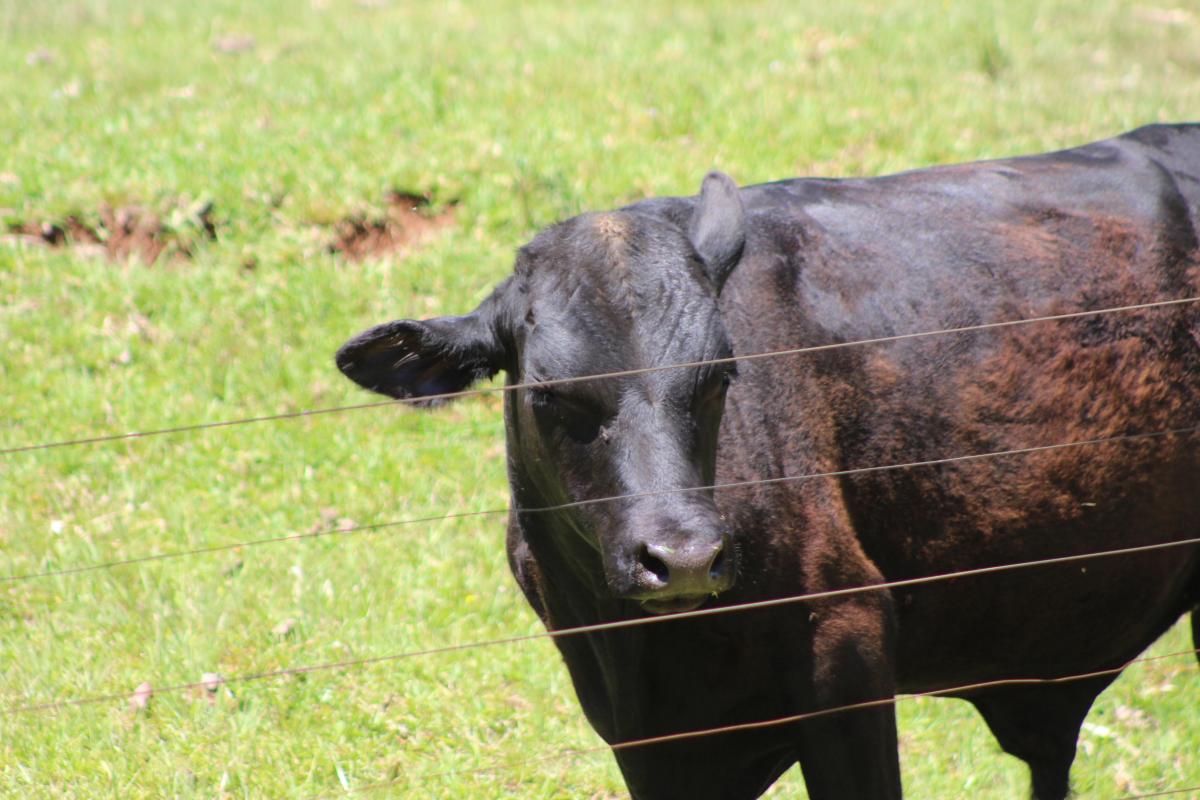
{"x":590,"y":502}
{"x":1161,"y":793}
{"x":608,"y":626}
{"x":600,"y":376}
{"x":792,"y":719}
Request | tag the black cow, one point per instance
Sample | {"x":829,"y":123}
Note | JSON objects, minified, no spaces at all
{"x":808,"y":262}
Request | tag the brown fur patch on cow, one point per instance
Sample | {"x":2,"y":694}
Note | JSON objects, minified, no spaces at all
{"x":613,"y":231}
{"x":1048,"y":386}
{"x":1046,"y":383}
{"x":1087,"y":378}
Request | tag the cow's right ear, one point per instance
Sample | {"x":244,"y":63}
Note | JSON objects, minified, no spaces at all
{"x":420,"y":358}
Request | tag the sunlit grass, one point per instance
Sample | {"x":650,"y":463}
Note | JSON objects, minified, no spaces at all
{"x":521,"y":113}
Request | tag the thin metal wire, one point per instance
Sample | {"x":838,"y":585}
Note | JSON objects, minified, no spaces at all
{"x":599,"y":376}
{"x":249,"y":543}
{"x":615,"y":625}
{"x":1162,"y":793}
{"x":593,"y":501}
{"x":788,"y":720}
{"x":868,"y":704}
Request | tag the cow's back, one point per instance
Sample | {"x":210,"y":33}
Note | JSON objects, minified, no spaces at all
{"x":1106,"y":225}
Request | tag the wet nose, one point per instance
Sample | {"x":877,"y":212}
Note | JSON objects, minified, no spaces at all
{"x":692,"y":569}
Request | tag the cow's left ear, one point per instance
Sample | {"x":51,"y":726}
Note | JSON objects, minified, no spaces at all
{"x":717,"y":229}
{"x":420,"y":358}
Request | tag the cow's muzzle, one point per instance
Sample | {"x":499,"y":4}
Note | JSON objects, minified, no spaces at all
{"x":669,"y":578}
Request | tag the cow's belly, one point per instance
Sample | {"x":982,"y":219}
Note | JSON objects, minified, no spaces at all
{"x":1052,"y":623}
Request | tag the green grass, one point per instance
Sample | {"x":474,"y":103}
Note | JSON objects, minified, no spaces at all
{"x":521,"y":113}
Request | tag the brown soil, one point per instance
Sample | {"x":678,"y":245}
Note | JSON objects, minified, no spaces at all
{"x":408,"y":223}
{"x":120,"y":234}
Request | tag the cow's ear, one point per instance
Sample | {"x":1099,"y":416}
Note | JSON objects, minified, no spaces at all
{"x":717,"y":229}
{"x":420,"y":358}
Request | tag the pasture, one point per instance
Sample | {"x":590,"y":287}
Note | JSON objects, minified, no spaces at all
{"x":200,"y":202}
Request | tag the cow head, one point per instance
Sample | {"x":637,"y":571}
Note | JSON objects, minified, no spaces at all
{"x":601,"y":293}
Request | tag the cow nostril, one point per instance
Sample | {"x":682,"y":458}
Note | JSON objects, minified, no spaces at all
{"x":717,"y":566}
{"x":653,"y":565}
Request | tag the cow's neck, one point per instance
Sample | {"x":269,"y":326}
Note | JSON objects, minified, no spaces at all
{"x":604,"y":666}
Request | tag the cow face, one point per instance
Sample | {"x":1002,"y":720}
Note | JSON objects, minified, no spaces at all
{"x":597,"y":294}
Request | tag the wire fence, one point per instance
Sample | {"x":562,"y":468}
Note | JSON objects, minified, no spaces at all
{"x":28,"y":707}
{"x":790,"y":719}
{"x":357,"y":529}
{"x":622,"y":624}
{"x":290,"y":415}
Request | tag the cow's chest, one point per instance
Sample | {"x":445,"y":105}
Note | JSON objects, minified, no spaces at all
{"x":706,"y":673}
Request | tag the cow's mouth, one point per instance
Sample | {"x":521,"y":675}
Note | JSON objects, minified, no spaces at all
{"x":675,"y":605}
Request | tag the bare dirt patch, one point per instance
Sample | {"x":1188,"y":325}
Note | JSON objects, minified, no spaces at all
{"x":120,"y":234}
{"x":407,"y":223}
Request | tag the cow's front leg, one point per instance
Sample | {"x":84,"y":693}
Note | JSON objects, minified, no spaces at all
{"x":851,"y":754}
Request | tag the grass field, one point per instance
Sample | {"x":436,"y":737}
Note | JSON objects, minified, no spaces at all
{"x":287,"y":117}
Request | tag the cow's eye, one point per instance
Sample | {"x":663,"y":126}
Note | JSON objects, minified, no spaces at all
{"x":715,"y":385}
{"x":577,"y":419}
{"x":542,"y":397}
